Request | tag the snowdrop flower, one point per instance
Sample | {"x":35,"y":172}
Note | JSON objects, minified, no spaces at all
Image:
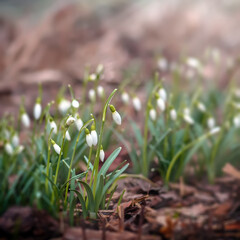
{"x":186,"y":111}
{"x":193,"y":62}
{"x":100,"y":91}
{"x":63,"y":106}
{"x":188,"y":119}
{"x":68,"y":137}
{"x":153,"y":114}
{"x":163,"y":94}
{"x":215,"y":130}
{"x":201,"y":107}
{"x":70,"y":120}
{"x":37,"y":110}
{"x":102,"y":154}
{"x":211,"y":123}
{"x":236,"y":121}
{"x":15,"y":140}
{"x":94,"y":136}
{"x":99,"y":69}
{"x":9,"y":149}
{"x":115,"y":115}
{"x":89,"y":139}
{"x":137,"y":104}
{"x":161,"y":104}
{"x":78,"y":123}
{"x":173,"y":114}
{"x":19,"y":149}
{"x":125,"y":98}
{"x":75,"y":103}
{"x":25,"y":120}
{"x":92,"y":77}
{"x":92,"y":95}
{"x":53,"y":125}
{"x":56,"y":147}
{"x":163,"y":64}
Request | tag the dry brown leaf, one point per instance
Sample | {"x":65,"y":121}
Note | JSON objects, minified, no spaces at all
{"x":229,"y":169}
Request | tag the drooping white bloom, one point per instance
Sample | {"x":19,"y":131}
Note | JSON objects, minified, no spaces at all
{"x":19,"y":149}
{"x":57,"y":148}
{"x":53,"y":126}
{"x":92,"y":77}
{"x":211,"y":123}
{"x":89,"y":139}
{"x":70,"y":120}
{"x":63,"y":106}
{"x":163,"y":64}
{"x":193,"y":62}
{"x":37,"y":110}
{"x":188,"y":119}
{"x":163,"y":94}
{"x":173,"y":114}
{"x":94,"y":137}
{"x":15,"y":140}
{"x":8,"y":148}
{"x":92,"y":95}
{"x":102,"y":155}
{"x":68,"y":137}
{"x":125,"y":98}
{"x":186,"y":111}
{"x":201,"y":107}
{"x":161,"y":104}
{"x":153,"y":114}
{"x":25,"y":120}
{"x":236,"y":121}
{"x":79,"y":123}
{"x":137,"y":104}
{"x":99,"y":68}
{"x":75,"y":103}
{"x":115,"y":115}
{"x":215,"y":130}
{"x":100,"y":91}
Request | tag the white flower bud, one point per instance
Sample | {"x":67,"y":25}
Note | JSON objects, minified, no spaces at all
{"x":79,"y":123}
{"x":236,"y":121}
{"x":173,"y":114}
{"x":53,"y":126}
{"x":15,"y":140}
{"x":163,"y":64}
{"x":63,"y":106}
{"x":211,"y":123}
{"x":99,"y":68}
{"x":94,"y":137}
{"x":37,"y":110}
{"x":100,"y":91}
{"x":117,"y":118}
{"x":92,"y":77}
{"x":193,"y":62}
{"x":70,"y":120}
{"x":8,"y":148}
{"x":57,"y":148}
{"x":89,"y":139}
{"x":163,"y":94}
{"x":161,"y":104}
{"x":186,"y":111}
{"x":25,"y":120}
{"x":153,"y":114}
{"x":137,"y":104}
{"x":201,"y":107}
{"x":188,"y":119}
{"x":19,"y":149}
{"x":102,"y":155}
{"x":92,"y":95}
{"x":215,"y":130}
{"x":68,"y":137}
{"x":75,"y":103}
{"x":125,"y":98}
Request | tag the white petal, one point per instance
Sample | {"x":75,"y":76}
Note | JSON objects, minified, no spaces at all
{"x":193,"y":62}
{"x":54,"y":126}
{"x":211,"y":123}
{"x":163,"y":94}
{"x":153,"y":114}
{"x":125,"y":98}
{"x":89,"y":140}
{"x":236,"y":121}
{"x":25,"y":120}
{"x":137,"y":104}
{"x":63,"y":106}
{"x":161,"y":104}
{"x":163,"y":64}
{"x":188,"y":119}
{"x":94,"y":137}
{"x":92,"y":95}
{"x":68,"y":137}
{"x":201,"y":107}
{"x":173,"y":114}
{"x":57,"y":148}
{"x":102,"y":155}
{"x":186,"y":111}
{"x":79,"y":123}
{"x":15,"y":140}
{"x":100,"y":91}
{"x":37,"y":110}
{"x":215,"y":130}
{"x":8,"y":148}
{"x":70,"y":120}
{"x":75,"y":103}
{"x":117,"y":118}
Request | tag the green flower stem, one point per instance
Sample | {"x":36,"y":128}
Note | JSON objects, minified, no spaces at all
{"x":48,"y":160}
{"x":73,"y":155}
{"x":89,"y":160}
{"x":178,"y":154}
{"x":145,"y":137}
{"x":96,"y":161}
{"x":59,"y":158}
